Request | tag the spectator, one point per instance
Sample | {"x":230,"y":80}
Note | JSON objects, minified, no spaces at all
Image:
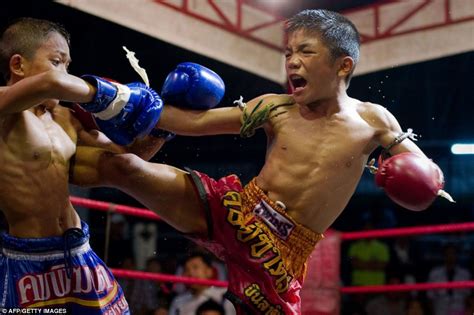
{"x":210,"y":307}
{"x":160,"y":311}
{"x":120,"y":246}
{"x":144,"y":238}
{"x":128,"y":284}
{"x":219,"y":270}
{"x":416,"y":306}
{"x":369,"y":257}
{"x":469,"y":305}
{"x":198,"y":265}
{"x":164,"y":304}
{"x":446,"y":301}
{"x":142,"y":295}
{"x":402,"y":258}
{"x":392,"y":303}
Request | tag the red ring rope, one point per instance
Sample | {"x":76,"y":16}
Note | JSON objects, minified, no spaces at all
{"x":417,"y":230}
{"x":166,"y":278}
{"x":106,"y":206}
{"x":348,"y":290}
{"x":414,"y":230}
{"x":408,"y":287}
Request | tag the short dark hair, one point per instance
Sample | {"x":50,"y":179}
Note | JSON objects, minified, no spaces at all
{"x":336,"y":31}
{"x":204,"y":257}
{"x":24,"y":36}
{"x":210,"y":305}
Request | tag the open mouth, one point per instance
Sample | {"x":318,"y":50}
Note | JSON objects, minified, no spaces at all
{"x":297,"y":82}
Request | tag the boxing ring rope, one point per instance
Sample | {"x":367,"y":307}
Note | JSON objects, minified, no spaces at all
{"x":409,"y":231}
{"x":408,"y":287}
{"x":112,"y":207}
{"x":120,"y":273}
{"x":345,"y":236}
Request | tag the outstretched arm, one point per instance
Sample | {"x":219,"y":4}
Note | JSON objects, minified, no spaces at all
{"x":225,"y":120}
{"x":94,"y":145}
{"x":34,"y":90}
{"x":187,"y":122}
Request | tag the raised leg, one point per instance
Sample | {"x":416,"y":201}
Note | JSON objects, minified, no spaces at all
{"x":164,"y":189}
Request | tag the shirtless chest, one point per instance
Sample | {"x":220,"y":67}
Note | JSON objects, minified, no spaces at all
{"x":35,"y":149}
{"x":314,"y":162}
{"x":332,"y":142}
{"x":36,"y":141}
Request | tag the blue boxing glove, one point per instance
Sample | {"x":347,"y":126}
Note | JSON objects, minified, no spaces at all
{"x":193,"y":86}
{"x":124,"y":112}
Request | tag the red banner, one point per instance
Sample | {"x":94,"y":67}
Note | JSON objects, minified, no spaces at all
{"x":320,"y":294}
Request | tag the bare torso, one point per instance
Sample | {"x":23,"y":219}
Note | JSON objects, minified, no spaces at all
{"x":314,"y":162}
{"x":35,"y":148}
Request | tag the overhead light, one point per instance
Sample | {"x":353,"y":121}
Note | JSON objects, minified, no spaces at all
{"x":462,"y":148}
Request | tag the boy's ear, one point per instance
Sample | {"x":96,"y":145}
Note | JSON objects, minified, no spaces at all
{"x":16,"y":65}
{"x":346,"y":66}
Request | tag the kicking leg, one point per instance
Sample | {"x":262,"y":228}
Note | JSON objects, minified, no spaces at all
{"x":164,"y":189}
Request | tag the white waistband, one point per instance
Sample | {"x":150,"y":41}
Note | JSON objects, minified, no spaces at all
{"x":47,"y":255}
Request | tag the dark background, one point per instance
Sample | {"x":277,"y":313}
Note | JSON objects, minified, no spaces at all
{"x":435,"y":98}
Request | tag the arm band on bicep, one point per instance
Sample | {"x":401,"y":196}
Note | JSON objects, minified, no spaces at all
{"x":257,"y":117}
{"x":397,"y":140}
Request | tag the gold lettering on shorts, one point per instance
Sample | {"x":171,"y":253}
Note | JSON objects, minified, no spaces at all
{"x":233,"y":204}
{"x":261,"y":248}
{"x":260,"y":301}
{"x":248,"y":232}
{"x":261,"y":243}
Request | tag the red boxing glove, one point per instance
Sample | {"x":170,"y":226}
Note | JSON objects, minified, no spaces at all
{"x":410,"y":180}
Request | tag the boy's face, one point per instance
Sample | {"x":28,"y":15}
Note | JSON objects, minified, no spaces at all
{"x":53,"y":54}
{"x":311,"y":71}
{"x":197,"y":268}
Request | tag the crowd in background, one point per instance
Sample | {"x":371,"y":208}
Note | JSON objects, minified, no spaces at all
{"x":135,"y":244}
{"x":431,"y":258}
